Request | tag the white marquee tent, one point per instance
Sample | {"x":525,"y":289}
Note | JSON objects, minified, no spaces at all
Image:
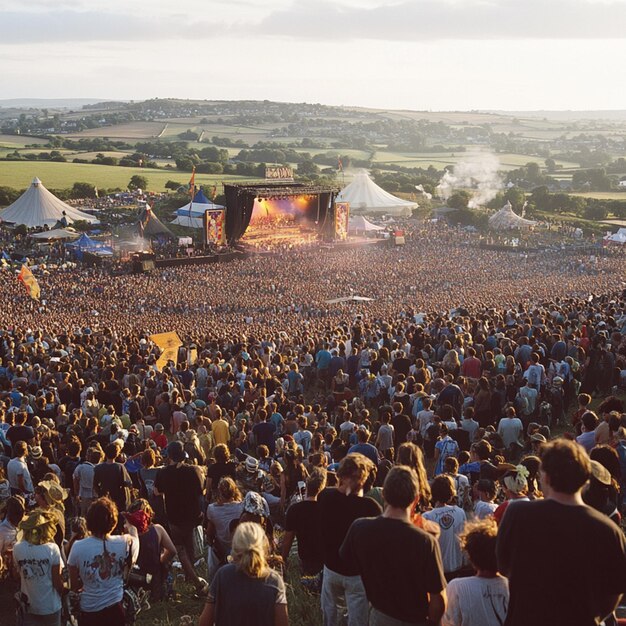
{"x":38,"y":207}
{"x":616,"y":238}
{"x":360,"y":224}
{"x":507,"y":219}
{"x":365,"y":196}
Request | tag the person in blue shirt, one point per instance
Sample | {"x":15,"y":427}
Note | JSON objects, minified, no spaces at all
{"x":363,"y":447}
{"x":322,"y":360}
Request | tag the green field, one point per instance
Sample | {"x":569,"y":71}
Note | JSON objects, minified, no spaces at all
{"x":603,"y":195}
{"x":19,"y":174}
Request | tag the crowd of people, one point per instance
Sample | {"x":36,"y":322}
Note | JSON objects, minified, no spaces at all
{"x":431,"y":457}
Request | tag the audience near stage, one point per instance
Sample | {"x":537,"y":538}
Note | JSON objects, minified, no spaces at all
{"x":443,"y":412}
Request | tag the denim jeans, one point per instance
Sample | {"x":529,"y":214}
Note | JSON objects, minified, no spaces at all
{"x":52,"y":619}
{"x":337,"y":587}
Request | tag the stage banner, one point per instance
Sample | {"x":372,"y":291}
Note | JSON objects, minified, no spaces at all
{"x":279,"y":173}
{"x":169,"y":344}
{"x":342,"y":213}
{"x":215,"y":224}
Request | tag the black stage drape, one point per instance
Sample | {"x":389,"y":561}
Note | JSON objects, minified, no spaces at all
{"x":239,"y":205}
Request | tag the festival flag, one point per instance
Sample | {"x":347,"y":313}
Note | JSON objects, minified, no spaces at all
{"x":96,"y":192}
{"x":214,"y":193}
{"x":192,"y":183}
{"x":339,"y":164}
{"x":30,"y":282}
{"x":169,"y":344}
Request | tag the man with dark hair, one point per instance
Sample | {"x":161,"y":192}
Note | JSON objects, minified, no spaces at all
{"x":587,"y":439}
{"x":403,"y":576}
{"x":111,"y":479}
{"x":337,"y":509}
{"x":17,"y":471}
{"x":182,"y":486}
{"x":302,"y":523}
{"x":565,"y":562}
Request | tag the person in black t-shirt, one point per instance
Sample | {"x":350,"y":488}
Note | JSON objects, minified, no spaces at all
{"x":337,"y":509}
{"x":399,"y":563}
{"x":182,"y":486}
{"x":111,"y":479}
{"x":19,"y":431}
{"x":566,"y":563}
{"x":302,"y":523}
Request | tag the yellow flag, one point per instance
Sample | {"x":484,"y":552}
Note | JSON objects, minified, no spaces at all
{"x":169,"y":344}
{"x":30,"y":282}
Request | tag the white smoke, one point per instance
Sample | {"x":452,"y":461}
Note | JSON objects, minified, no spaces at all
{"x":477,"y":172}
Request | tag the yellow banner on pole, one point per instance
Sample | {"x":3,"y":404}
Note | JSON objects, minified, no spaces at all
{"x":30,"y":282}
{"x":169,"y":344}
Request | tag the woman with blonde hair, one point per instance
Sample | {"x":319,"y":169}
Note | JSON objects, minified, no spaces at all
{"x":247,"y":590}
{"x":221,"y":513}
{"x":37,"y":558}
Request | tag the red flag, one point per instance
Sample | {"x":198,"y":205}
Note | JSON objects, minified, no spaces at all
{"x":339,"y":164}
{"x":192,"y":183}
{"x":214,"y":193}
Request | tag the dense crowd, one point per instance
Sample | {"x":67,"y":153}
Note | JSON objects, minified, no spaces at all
{"x":414,"y":457}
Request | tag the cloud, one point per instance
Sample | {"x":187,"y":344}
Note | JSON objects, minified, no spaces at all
{"x":423,"y":20}
{"x":383,"y":20}
{"x":87,"y":26}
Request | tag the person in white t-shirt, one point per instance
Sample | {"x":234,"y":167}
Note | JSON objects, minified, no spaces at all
{"x":487,"y":491}
{"x":425,"y":417}
{"x":451,"y":520}
{"x":510,"y":428}
{"x":37,"y":559}
{"x":483,"y":599}
{"x":17,"y":471}
{"x":97,"y":565}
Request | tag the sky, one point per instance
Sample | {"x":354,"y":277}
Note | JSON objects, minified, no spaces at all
{"x":394,"y":54}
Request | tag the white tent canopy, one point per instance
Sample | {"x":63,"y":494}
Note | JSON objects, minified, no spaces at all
{"x":197,"y":209}
{"x":619,"y":237}
{"x":365,"y":196}
{"x":358,"y":223}
{"x":507,"y":219}
{"x":57,"y":233}
{"x":188,"y":222}
{"x":38,"y":207}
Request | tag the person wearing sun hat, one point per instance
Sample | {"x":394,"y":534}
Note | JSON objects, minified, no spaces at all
{"x":38,"y":560}
{"x":49,"y":496}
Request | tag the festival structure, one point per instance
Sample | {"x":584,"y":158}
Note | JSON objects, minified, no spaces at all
{"x":191,"y":214}
{"x":309,"y":209}
{"x":38,"y":207}
{"x":507,"y":219}
{"x":366,"y":197}
{"x":359,"y":224}
{"x":149,"y":225}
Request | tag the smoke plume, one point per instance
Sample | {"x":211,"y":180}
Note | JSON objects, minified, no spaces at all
{"x":478,"y":172}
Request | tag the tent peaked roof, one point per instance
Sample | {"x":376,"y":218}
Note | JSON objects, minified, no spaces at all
{"x":188,"y":222}
{"x":200,"y":198}
{"x":507,"y":219}
{"x":365,"y":196}
{"x":38,"y":207}
{"x":150,"y":225}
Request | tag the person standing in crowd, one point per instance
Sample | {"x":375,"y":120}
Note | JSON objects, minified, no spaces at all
{"x":337,"y":509}
{"x":83,"y":479}
{"x":111,"y":479}
{"x":37,"y":559}
{"x":181,"y":485}
{"x":247,"y":590}
{"x":451,"y":519}
{"x":567,"y":557}
{"x":403,"y":575}
{"x":302,"y":523}
{"x":18,"y":473}
{"x":97,"y":565}
{"x":482,"y":599}
{"x":13,"y":514}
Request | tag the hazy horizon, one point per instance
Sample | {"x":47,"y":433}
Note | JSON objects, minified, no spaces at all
{"x":419,"y":55}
